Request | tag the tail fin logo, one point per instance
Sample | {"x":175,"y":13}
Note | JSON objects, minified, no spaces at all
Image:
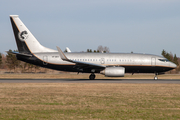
{"x":23,"y":35}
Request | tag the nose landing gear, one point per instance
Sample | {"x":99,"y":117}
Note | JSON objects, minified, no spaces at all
{"x":92,"y":76}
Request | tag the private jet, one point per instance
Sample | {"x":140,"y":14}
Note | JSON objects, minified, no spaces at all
{"x":108,"y":64}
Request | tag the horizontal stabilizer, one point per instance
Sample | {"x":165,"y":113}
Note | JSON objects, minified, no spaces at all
{"x":17,"y":53}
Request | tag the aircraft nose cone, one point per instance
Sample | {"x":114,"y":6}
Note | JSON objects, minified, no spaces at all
{"x":173,"y":65}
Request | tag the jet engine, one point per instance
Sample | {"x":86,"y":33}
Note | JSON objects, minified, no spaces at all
{"x":114,"y":71}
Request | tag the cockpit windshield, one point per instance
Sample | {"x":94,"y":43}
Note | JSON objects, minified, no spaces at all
{"x":164,"y":60}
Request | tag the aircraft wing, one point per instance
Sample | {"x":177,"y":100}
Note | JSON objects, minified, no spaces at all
{"x":83,"y":65}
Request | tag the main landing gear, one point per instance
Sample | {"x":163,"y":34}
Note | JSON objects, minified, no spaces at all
{"x":92,"y":76}
{"x":155,"y":77}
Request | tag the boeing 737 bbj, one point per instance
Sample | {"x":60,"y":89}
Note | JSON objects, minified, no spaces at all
{"x":109,"y":64}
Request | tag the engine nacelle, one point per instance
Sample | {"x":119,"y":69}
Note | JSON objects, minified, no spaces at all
{"x":114,"y":72}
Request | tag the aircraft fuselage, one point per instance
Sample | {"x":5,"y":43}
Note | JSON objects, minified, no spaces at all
{"x":133,"y":63}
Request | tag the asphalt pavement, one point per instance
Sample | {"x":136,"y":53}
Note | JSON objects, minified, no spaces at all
{"x":142,"y":81}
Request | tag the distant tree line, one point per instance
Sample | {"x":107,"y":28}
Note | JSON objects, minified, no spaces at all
{"x":170,"y":57}
{"x":100,"y":49}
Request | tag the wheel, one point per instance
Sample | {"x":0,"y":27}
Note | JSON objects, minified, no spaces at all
{"x":155,"y":78}
{"x":92,"y":77}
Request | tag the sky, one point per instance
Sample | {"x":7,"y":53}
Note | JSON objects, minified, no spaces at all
{"x":139,"y":26}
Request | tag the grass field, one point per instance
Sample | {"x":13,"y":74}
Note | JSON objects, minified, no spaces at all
{"x":54,"y":101}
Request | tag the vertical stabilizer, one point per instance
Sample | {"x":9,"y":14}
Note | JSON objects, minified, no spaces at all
{"x":25,"y":41}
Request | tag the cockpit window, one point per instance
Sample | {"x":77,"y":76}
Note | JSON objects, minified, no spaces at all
{"x":163,"y":60}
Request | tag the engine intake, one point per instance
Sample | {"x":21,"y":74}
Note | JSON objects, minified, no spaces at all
{"x":114,"y":72}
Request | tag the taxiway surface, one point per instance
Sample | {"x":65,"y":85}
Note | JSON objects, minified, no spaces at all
{"x":143,"y":81}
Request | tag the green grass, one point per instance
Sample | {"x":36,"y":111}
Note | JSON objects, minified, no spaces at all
{"x":38,"y":101}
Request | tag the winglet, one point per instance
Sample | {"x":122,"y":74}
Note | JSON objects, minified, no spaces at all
{"x":68,"y":50}
{"x":63,"y":57}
